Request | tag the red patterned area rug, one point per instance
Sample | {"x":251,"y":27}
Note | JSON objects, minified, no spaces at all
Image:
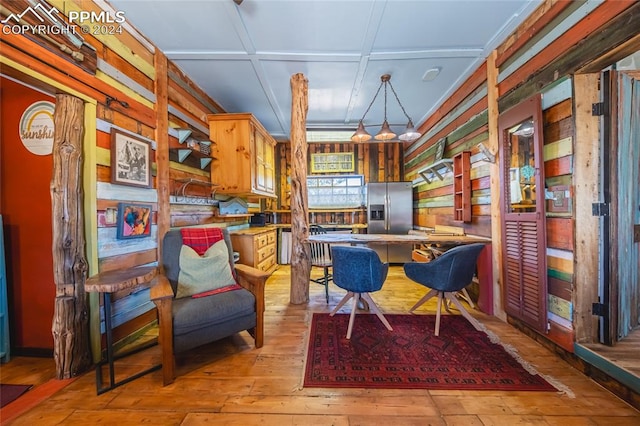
{"x":410,"y":356}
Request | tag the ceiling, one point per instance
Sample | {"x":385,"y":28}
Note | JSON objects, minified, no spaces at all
{"x":243,"y":56}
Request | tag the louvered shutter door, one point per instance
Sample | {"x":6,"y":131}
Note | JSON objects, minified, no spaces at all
{"x":525,"y":272}
{"x":524,"y":234}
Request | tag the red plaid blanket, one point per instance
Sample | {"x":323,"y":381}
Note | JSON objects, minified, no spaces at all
{"x":200,"y":239}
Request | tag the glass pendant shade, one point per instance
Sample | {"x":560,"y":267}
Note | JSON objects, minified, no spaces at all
{"x":361,"y":134}
{"x":385,"y":133}
{"x":410,"y":133}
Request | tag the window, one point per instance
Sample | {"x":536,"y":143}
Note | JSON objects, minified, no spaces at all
{"x":332,"y":162}
{"x":345,"y":191}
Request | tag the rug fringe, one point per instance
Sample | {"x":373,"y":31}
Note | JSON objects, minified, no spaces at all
{"x":562,"y":388}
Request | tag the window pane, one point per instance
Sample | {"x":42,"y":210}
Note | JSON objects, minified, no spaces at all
{"x":354,"y":182}
{"x":521,"y":164}
{"x":336,"y":191}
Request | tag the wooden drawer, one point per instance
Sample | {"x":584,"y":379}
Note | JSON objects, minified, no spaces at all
{"x":264,"y":252}
{"x":271,"y":237}
{"x":257,"y":248}
{"x":267,"y":264}
{"x":261,"y":240}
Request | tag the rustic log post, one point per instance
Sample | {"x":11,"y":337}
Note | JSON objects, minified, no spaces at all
{"x":70,"y":326}
{"x":300,"y":256}
{"x":162,"y":150}
{"x":494,"y":176}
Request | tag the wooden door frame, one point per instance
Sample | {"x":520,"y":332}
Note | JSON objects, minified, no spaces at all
{"x":586,"y":175}
{"x":530,"y":107}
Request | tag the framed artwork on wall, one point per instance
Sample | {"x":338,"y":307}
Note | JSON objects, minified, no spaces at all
{"x":130,"y":160}
{"x":134,"y":221}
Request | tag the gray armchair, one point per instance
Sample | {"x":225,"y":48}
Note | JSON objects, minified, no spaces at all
{"x":188,"y":322}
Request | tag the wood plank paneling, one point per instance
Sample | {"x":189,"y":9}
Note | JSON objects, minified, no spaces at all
{"x":377,"y":162}
{"x":563,"y":44}
{"x":559,"y":288}
{"x":607,"y":27}
{"x":560,"y":233}
{"x":558,"y":167}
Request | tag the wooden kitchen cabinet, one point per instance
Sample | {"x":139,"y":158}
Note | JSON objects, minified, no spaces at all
{"x":257,"y":247}
{"x":243,"y":155}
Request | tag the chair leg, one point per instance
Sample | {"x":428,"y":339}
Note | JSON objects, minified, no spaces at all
{"x":466,"y":297}
{"x":326,"y":282}
{"x":356,"y":297}
{"x":344,"y":300}
{"x":440,"y":294}
{"x":426,"y":297}
{"x":376,"y":310}
{"x":463,"y":311}
{"x":462,"y":294}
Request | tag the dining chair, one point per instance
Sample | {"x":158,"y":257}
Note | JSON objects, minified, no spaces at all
{"x":359,"y":271}
{"x":445,"y":276}
{"x":439,"y":250}
{"x":321,"y":257}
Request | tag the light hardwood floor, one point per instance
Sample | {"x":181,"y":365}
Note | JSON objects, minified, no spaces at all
{"x":231,"y":383}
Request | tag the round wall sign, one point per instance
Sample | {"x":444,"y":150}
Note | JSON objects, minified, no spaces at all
{"x":36,"y":128}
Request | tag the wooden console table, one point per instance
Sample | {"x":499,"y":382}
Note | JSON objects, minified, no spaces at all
{"x":106,"y":283}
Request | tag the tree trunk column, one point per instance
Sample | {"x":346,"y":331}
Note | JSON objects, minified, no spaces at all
{"x":300,"y":256}
{"x":70,"y":326}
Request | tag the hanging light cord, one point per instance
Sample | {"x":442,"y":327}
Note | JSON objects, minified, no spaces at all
{"x":371,"y":104}
{"x":397,"y":99}
{"x":385,"y":100}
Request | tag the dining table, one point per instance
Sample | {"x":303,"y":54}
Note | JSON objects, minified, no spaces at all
{"x":429,"y":239}
{"x":412,"y":238}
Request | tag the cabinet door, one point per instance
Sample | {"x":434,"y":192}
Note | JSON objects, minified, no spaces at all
{"x":259,"y":158}
{"x":269,"y":168}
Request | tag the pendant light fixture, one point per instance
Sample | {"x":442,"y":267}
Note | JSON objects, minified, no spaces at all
{"x":385,"y":133}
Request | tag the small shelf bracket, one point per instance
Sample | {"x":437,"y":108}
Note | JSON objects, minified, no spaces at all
{"x":436,"y":170}
{"x":183,"y":134}
{"x":488,"y":154}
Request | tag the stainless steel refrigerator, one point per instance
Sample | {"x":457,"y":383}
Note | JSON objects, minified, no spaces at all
{"x":390,"y":211}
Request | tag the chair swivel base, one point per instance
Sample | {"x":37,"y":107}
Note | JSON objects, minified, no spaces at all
{"x":357,"y":298}
{"x":451,"y":297}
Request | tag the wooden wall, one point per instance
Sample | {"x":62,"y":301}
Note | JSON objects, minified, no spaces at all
{"x":462,"y":131}
{"x":377,"y":162}
{"x":122,"y":67}
{"x":557,"y":40}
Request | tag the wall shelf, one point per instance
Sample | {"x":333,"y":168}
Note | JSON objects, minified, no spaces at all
{"x":190,"y":157}
{"x":436,"y":170}
{"x":462,"y":187}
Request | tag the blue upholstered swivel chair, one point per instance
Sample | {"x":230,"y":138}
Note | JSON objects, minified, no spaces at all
{"x":445,"y":276}
{"x":359,"y":271}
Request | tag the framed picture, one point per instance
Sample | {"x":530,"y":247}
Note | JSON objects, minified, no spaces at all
{"x":130,"y":160}
{"x":134,"y":220}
